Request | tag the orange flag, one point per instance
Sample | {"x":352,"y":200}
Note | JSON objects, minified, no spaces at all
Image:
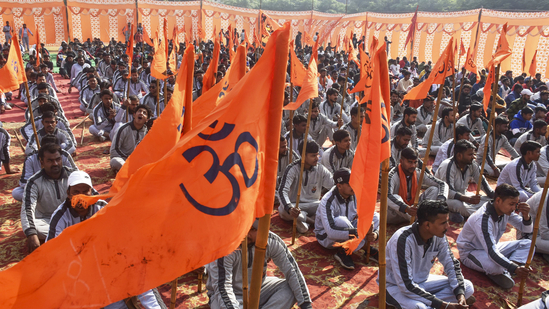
{"x":374,"y":147}
{"x":297,"y":70}
{"x":524,"y":60}
{"x":337,"y":47}
{"x":210,"y":76}
{"x":309,"y":89}
{"x":503,"y":50}
{"x":158,"y":65}
{"x":211,"y":98}
{"x":533,"y":65}
{"x":366,"y":74}
{"x":307,"y":39}
{"x":488,"y":86}
{"x":147,"y":38}
{"x":102,"y":256}
{"x":230,"y":31}
{"x":470,"y":62}
{"x":172,"y":60}
{"x":443,"y":68}
{"x":38,"y":47}
{"x":353,"y":53}
{"x":373,"y":46}
{"x":412,"y":28}
{"x":327,"y":31}
{"x":129,"y":48}
{"x":13,"y":73}
{"x":462,"y":48}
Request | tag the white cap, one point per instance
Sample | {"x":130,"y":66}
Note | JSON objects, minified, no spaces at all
{"x":526,"y":92}
{"x":79,"y":177}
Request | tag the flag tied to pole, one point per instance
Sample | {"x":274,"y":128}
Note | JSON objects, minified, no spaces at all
{"x":12,"y":74}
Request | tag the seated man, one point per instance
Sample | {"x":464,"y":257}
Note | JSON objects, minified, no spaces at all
{"x":473,"y":122}
{"x":542,"y":165}
{"x":500,"y":128}
{"x":225,"y":278}
{"x":103,"y":116}
{"x":321,"y":126}
{"x":403,"y":186}
{"x":411,"y":253}
{"x":336,"y":219}
{"x":66,"y":215}
{"x":447,"y":149}
{"x":537,"y":134}
{"x":339,"y":155}
{"x":49,"y":126}
{"x":458,"y":172}
{"x":354,"y":125}
{"x":425,"y":115}
{"x":44,"y":191}
{"x":62,"y":123}
{"x":521,"y":172}
{"x":5,"y":139}
{"x":542,"y":303}
{"x":129,"y":136}
{"x":125,"y":113}
{"x":409,"y":121}
{"x":400,"y":142}
{"x":120,"y":84}
{"x":315,"y":177}
{"x":520,"y":124}
{"x":298,"y":132}
{"x":542,"y":240}
{"x":87,"y":93}
{"x":444,"y":130}
{"x":284,"y":159}
{"x":32,"y":166}
{"x":478,"y":242}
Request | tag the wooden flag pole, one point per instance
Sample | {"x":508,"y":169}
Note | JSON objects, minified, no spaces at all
{"x":454,"y":98}
{"x":82,"y":137}
{"x":158,"y":98}
{"x":344,"y":91}
{"x":128,"y":95}
{"x":534,"y":237}
{"x":81,"y":122}
{"x":490,"y":123}
{"x":259,"y":260}
{"x":383,"y":231}
{"x":428,"y":150}
{"x":165,"y":97}
{"x":174,"y":294}
{"x":291,"y":115}
{"x":31,"y":114}
{"x":19,"y":139}
{"x":305,"y":140}
{"x":244,"y":247}
{"x":459,"y":97}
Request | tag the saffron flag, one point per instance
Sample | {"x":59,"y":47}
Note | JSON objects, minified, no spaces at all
{"x":366,"y":74}
{"x":412,"y":28}
{"x":309,"y":88}
{"x":172,"y":60}
{"x":131,"y":245}
{"x":338,"y":44}
{"x":129,"y":48}
{"x":533,"y":65}
{"x":487,"y":91}
{"x":353,"y":53}
{"x":297,"y":70}
{"x":307,"y":39}
{"x":524,"y":60}
{"x":327,"y":31}
{"x":12,"y":74}
{"x":443,"y":68}
{"x":470,"y":62}
{"x":372,"y":149}
{"x":158,"y":65}
{"x":503,"y":50}
{"x":38,"y":47}
{"x":147,"y":37}
{"x":373,"y":46}
{"x":462,"y":48}
{"x":210,"y":76}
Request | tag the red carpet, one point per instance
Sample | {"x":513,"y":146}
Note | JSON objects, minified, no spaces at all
{"x":329,"y":284}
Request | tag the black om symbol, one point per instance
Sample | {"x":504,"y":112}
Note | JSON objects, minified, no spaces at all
{"x":231,"y":160}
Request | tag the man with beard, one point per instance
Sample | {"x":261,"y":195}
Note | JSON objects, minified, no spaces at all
{"x":354,"y":125}
{"x":125,"y":113}
{"x":501,"y":126}
{"x":522,"y":172}
{"x":409,"y":121}
{"x":49,"y":126}
{"x":473,"y":121}
{"x":129,"y":136}
{"x":411,"y":253}
{"x":444,"y":130}
{"x":447,"y":149}
{"x":321,"y":126}
{"x":103,"y":116}
{"x":66,"y":215}
{"x":44,"y":191}
{"x":425,"y":115}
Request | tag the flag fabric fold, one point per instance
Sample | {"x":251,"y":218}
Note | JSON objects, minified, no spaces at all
{"x":165,"y":222}
{"x":470,"y":62}
{"x":503,"y":50}
{"x":533,"y":64}
{"x":366,"y":73}
{"x":210,"y":76}
{"x":12,"y":74}
{"x":307,"y":39}
{"x":412,"y":28}
{"x":297,"y":70}
{"x":158,"y":65}
{"x":487,"y":91}
{"x":309,"y":88}
{"x":129,"y":48}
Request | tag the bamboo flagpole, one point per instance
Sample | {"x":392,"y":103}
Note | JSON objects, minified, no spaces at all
{"x":31,"y":114}
{"x":454,"y":95}
{"x":542,"y":203}
{"x":244,"y":247}
{"x":303,"y":153}
{"x":158,"y":98}
{"x":19,"y":139}
{"x":428,"y":150}
{"x":259,"y":260}
{"x":490,"y":124}
{"x":174,"y":294}
{"x":383,"y":232}
{"x":344,"y":90}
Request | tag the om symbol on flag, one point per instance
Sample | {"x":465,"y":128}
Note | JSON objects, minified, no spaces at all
{"x":15,"y":67}
{"x":231,"y":160}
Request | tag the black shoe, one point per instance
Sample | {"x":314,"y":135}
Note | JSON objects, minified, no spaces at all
{"x":345,"y":260}
{"x":504,"y":280}
{"x":374,"y":254}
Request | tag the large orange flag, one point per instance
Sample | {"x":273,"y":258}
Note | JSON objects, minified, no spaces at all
{"x":298,"y":72}
{"x":147,"y":37}
{"x":366,"y":73}
{"x":133,"y":244}
{"x":13,"y":73}
{"x":503,"y":50}
{"x":129,"y":48}
{"x":533,"y":65}
{"x":158,"y":65}
{"x":307,"y":39}
{"x":443,"y":68}
{"x":309,"y":89}
{"x":172,"y":60}
{"x":353,"y":53}
{"x":411,"y":28}
{"x":488,"y":86}
{"x":210,"y":76}
{"x":38,"y":47}
{"x":373,"y":148}
{"x":470,"y":64}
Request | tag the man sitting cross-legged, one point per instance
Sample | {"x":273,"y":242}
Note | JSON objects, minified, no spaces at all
{"x":403,"y":185}
{"x":411,"y":253}
{"x":336,"y":219}
{"x":103,"y":116}
{"x":128,"y":137}
{"x":66,"y":215}
{"x":490,"y":168}
{"x":478,"y":242}
{"x":339,"y":155}
{"x":315,"y":178}
{"x":458,"y":171}
{"x":521,"y":172}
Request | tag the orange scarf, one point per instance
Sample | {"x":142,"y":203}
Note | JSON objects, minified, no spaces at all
{"x":403,"y":190}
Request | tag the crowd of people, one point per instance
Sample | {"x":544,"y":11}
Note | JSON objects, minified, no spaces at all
{"x":123,"y":104}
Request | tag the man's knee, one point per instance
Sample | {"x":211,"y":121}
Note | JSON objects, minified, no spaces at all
{"x":117,"y":163}
{"x":430,"y":193}
{"x":469,"y":288}
{"x":17,"y":193}
{"x":343,"y":222}
{"x":523,"y":196}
